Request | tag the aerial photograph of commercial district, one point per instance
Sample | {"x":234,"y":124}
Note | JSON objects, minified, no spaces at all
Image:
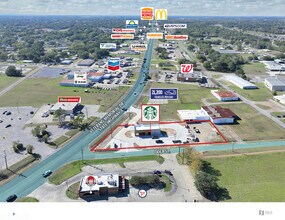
{"x":142,"y":102}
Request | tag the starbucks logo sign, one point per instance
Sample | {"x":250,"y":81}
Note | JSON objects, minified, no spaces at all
{"x":150,"y":113}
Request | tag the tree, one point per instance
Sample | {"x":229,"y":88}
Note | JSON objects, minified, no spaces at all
{"x":184,"y":61}
{"x":30,"y":149}
{"x":36,"y":131}
{"x":196,"y":165}
{"x":60,"y":115}
{"x":12,"y":71}
{"x":17,"y":146}
{"x":46,"y":138}
{"x":274,"y":93}
{"x":77,"y":121}
{"x":206,"y":184}
{"x":207,"y":65}
{"x":191,"y":47}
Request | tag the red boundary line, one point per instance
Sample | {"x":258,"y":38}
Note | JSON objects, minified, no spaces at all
{"x":93,"y":149}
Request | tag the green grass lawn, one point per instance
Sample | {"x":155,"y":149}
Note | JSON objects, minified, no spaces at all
{"x":254,"y":68}
{"x":265,"y":107}
{"x":260,"y":94}
{"x":27,"y":199}
{"x":5,"y":81}
{"x":252,"y":125}
{"x":189,"y":98}
{"x":60,"y":140}
{"x":252,"y":178}
{"x":35,"y":92}
{"x":72,"y":191}
{"x":164,"y":178}
{"x":74,"y":168}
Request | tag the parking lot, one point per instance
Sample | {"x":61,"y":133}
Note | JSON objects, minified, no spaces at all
{"x":16,"y":132}
{"x":171,"y":134}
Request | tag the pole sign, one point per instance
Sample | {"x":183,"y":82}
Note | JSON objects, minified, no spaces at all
{"x":170,"y":94}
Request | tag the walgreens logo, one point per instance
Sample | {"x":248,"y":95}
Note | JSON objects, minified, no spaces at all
{"x":187,"y":68}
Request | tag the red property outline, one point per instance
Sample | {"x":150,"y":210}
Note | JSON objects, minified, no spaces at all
{"x":93,"y":149}
{"x":151,"y":105}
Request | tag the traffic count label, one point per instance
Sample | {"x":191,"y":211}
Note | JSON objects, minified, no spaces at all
{"x":69,"y":99}
{"x":168,"y":94}
{"x":175,"y":26}
{"x":122,"y":36}
{"x":147,"y":13}
{"x":150,"y":113}
{"x":176,"y":37}
{"x":187,"y":68}
{"x":154,"y":35}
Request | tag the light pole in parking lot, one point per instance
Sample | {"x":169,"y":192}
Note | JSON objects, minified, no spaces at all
{"x":5,"y":156}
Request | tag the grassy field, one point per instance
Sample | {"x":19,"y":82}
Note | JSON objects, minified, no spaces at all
{"x":252,"y":125}
{"x":74,"y":168}
{"x":35,"y":92}
{"x":72,"y":191}
{"x":189,"y":98}
{"x":252,"y":178}
{"x":27,"y":199}
{"x":260,"y":94}
{"x":254,"y":68}
{"x":6,"y":81}
{"x":243,"y":151}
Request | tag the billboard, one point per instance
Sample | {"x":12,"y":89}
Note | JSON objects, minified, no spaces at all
{"x":147,"y":13}
{"x":160,"y":14}
{"x":140,"y":47}
{"x":154,"y":35}
{"x":69,"y":99}
{"x":187,"y":68}
{"x":123,"y":30}
{"x":176,"y":37}
{"x":80,"y":78}
{"x":169,"y":94}
{"x":108,"y":46}
{"x":114,"y":64}
{"x":122,"y":36}
{"x":175,"y":26}
{"x":132,"y":24}
{"x":150,"y":113}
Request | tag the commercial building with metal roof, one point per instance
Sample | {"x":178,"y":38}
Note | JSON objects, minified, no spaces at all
{"x":241,"y":83}
{"x":219,"y":115}
{"x":225,"y":95}
{"x":275,"y":83}
{"x":280,"y":98}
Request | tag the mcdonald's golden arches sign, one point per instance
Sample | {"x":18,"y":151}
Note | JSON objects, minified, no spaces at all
{"x":160,"y":14}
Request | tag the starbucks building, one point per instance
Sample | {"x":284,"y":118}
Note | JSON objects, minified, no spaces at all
{"x":147,"y":129}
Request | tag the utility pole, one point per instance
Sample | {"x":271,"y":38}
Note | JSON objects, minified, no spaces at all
{"x":5,"y":156}
{"x":82,"y":154}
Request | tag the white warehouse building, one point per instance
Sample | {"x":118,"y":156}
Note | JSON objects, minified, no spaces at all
{"x":241,"y":83}
{"x":275,"y":84}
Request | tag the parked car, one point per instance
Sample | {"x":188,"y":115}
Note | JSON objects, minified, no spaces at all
{"x":31,"y":112}
{"x":168,"y":172}
{"x":197,"y":130}
{"x":156,"y":172}
{"x":1,"y":121}
{"x":11,"y":198}
{"x":159,"y":141}
{"x":8,"y":126}
{"x":47,"y":173}
{"x":177,"y":141}
{"x":4,"y":113}
{"x":8,"y":113}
